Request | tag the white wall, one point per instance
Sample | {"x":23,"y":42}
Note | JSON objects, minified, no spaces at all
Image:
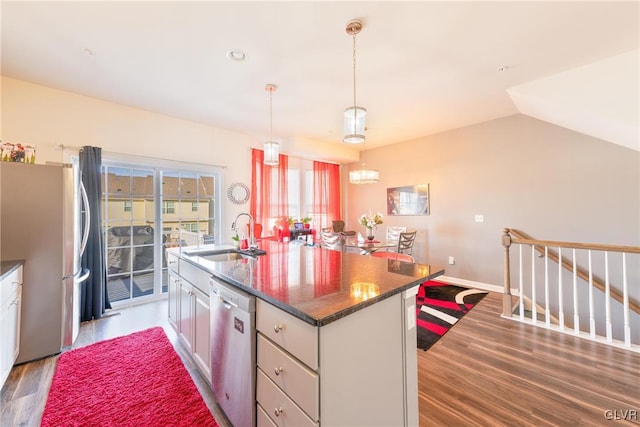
{"x":34,"y":114}
{"x":519,"y":172}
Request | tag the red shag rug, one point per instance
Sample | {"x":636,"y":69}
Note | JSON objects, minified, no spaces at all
{"x":135,"y":380}
{"x":439,"y":306}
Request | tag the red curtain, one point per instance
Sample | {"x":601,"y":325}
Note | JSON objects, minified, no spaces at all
{"x":269,"y":193}
{"x":326,"y":194}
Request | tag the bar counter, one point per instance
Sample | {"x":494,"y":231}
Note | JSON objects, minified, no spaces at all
{"x":316,"y":285}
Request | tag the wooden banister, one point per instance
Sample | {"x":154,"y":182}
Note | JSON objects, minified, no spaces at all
{"x":515,"y":236}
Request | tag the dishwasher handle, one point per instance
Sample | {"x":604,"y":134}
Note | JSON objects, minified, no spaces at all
{"x":226,"y":298}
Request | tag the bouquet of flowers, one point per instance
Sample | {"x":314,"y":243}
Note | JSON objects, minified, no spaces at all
{"x":370,"y":221}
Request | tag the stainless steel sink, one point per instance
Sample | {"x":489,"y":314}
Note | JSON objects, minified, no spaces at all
{"x":205,"y":252}
{"x":224,"y":256}
{"x":227,"y":254}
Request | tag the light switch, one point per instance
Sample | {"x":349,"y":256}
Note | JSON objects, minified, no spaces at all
{"x":479,"y":218}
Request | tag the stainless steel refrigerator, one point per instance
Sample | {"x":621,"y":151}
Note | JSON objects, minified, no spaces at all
{"x":43,"y":217}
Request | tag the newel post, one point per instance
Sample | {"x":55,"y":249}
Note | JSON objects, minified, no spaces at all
{"x":507,"y":308}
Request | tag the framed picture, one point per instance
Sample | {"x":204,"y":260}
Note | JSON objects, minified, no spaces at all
{"x":409,"y":200}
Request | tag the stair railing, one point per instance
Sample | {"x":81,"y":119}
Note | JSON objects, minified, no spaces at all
{"x":613,"y":329}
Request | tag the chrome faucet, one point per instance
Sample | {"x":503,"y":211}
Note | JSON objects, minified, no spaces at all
{"x":252,"y":237}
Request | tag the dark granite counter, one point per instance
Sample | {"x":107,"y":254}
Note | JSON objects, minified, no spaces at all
{"x":316,"y":285}
{"x":7,"y":267}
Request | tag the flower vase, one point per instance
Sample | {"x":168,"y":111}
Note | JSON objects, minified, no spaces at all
{"x":370,"y":235}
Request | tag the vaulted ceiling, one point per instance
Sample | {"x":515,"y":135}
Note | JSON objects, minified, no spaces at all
{"x":422,"y":67}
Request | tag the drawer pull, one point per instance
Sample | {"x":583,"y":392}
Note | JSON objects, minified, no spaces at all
{"x":277,"y":328}
{"x":278,"y":370}
{"x":278,"y":411}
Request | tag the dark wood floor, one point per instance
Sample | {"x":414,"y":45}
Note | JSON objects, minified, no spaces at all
{"x":487,"y":371}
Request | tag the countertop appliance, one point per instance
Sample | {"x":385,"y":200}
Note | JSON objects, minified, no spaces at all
{"x":43,"y":216}
{"x":233,"y":356}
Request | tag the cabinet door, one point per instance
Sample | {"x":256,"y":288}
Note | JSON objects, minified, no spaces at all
{"x":14,"y":326}
{"x":185,"y":314}
{"x":9,"y":333}
{"x":173,"y":298}
{"x":201,"y":334}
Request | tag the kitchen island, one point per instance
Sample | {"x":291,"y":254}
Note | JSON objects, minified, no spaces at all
{"x":334,"y":335}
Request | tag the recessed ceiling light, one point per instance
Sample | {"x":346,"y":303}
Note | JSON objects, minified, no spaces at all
{"x":503,"y":68}
{"x":236,"y":55}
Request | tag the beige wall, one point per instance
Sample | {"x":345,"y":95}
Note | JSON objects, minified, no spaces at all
{"x":34,"y":114}
{"x":518,"y":172}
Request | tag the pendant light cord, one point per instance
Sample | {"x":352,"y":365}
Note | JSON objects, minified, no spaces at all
{"x":354,"y":75}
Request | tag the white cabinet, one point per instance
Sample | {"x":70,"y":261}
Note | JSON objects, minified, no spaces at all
{"x":173,"y":287}
{"x":189,"y":312}
{"x":359,"y":370}
{"x":10,"y":305}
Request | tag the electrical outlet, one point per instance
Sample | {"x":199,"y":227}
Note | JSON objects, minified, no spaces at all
{"x":452,"y":260}
{"x":479,"y":218}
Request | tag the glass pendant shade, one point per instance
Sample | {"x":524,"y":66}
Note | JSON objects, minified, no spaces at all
{"x":271,"y":153}
{"x":354,"y":121}
{"x":364,"y":176}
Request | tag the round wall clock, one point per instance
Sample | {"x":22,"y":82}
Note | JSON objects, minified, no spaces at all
{"x":238,"y":193}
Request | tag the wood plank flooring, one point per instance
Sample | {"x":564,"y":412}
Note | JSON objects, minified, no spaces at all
{"x":487,"y":371}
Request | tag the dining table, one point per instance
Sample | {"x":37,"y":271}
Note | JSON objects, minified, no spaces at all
{"x":367,"y":247}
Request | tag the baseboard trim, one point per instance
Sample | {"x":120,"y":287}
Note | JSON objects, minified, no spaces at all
{"x":471,"y":284}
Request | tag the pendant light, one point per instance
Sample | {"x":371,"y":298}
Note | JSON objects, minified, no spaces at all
{"x":354,"y":119}
{"x":271,"y":147}
{"x":354,"y":116}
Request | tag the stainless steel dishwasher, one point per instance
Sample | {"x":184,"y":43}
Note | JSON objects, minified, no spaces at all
{"x":233,"y":355}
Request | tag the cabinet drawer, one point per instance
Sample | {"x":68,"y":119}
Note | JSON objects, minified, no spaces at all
{"x":194,"y":275}
{"x":299,"y":382}
{"x":262,"y":419}
{"x":172,"y":262}
{"x":294,"y":335}
{"x":282,"y":410}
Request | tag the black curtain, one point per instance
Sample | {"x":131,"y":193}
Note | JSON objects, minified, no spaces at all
{"x":94,"y":299}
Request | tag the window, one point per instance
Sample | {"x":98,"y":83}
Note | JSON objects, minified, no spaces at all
{"x":168,"y":208}
{"x":146,"y":210}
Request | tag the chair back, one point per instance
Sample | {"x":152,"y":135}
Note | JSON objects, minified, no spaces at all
{"x":393,"y":255}
{"x":338,"y":227}
{"x":405,"y":242}
{"x":331,"y":240}
{"x":393,"y":233}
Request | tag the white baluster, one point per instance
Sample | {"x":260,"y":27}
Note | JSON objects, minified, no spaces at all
{"x":607,"y":293}
{"x":625,"y":299}
{"x":534,"y":306}
{"x":520,"y":287}
{"x":547,"y":311}
{"x":592,"y":314}
{"x":560,"y":296}
{"x":576,"y":316}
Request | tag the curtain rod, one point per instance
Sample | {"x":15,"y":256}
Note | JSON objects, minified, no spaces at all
{"x":114,"y":153}
{"x":304,"y":158}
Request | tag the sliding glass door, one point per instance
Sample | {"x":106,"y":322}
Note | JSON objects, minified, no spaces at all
{"x":146,"y":210}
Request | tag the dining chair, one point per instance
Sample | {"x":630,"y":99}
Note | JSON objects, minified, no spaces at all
{"x":338,"y":227}
{"x":393,"y":255}
{"x":331,"y":240}
{"x":393,"y":235}
{"x":405,"y":242}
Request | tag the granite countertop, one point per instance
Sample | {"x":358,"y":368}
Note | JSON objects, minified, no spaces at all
{"x":316,"y":285}
{"x":7,"y":267}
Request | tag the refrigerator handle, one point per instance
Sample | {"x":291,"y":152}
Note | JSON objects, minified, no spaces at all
{"x":87,"y":218}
